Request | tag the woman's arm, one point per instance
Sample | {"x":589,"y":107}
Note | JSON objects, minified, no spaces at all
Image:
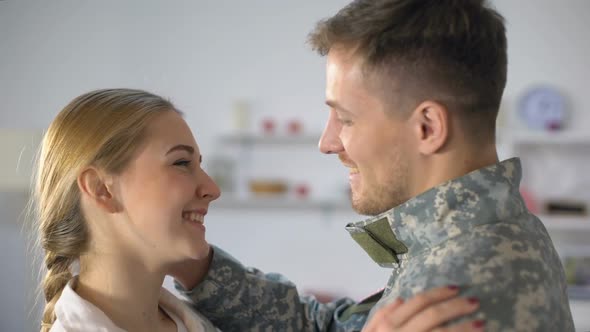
{"x":237,"y":298}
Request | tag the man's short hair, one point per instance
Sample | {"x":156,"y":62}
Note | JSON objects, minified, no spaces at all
{"x":449,"y":51}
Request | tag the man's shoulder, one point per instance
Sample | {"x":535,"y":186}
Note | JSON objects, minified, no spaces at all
{"x":512,"y":267}
{"x":504,"y":248}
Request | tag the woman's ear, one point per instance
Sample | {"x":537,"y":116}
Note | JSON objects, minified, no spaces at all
{"x":431,"y":126}
{"x":98,"y":187}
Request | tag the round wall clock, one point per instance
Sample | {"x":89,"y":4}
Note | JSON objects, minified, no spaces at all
{"x":543,"y":108}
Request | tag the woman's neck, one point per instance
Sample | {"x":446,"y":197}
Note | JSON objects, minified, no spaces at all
{"x":125,"y":289}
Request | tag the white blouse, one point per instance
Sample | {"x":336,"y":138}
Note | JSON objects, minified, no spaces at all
{"x":73,"y":313}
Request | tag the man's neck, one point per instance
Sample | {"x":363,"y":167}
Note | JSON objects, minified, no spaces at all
{"x":451,"y":165}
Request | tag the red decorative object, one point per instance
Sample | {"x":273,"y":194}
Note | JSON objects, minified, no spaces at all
{"x":268,"y":126}
{"x":554,"y":126}
{"x":294,"y":127}
{"x":529,"y":200}
{"x":302,"y":190}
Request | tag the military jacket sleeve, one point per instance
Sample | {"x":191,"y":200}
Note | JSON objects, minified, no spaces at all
{"x":237,"y":298}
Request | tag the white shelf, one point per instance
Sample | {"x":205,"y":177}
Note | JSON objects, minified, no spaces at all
{"x":549,"y":138}
{"x":231,"y":202}
{"x":566,"y":223}
{"x":270,"y":139}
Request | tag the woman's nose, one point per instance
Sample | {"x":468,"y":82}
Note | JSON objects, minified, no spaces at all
{"x":207,"y":188}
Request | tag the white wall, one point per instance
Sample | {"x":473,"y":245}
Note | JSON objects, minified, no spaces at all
{"x":548,"y":44}
{"x":18,"y":284}
{"x":205,"y":55}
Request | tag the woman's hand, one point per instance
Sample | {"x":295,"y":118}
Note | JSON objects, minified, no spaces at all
{"x":426,"y":311}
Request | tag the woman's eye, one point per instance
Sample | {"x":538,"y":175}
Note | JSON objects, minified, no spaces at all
{"x":182,"y":163}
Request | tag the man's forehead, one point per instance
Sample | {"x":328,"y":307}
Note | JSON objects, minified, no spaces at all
{"x":345,"y":59}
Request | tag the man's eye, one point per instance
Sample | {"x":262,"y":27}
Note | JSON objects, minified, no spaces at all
{"x":183,"y":163}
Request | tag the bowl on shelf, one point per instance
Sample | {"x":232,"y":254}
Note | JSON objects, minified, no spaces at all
{"x":268,"y":187}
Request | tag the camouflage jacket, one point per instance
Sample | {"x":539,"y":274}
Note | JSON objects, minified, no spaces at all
{"x":474,"y":231}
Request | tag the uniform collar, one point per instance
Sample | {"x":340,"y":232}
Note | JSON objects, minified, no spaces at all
{"x":484,"y":196}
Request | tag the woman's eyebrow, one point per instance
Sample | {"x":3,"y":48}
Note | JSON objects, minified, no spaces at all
{"x":182,"y":147}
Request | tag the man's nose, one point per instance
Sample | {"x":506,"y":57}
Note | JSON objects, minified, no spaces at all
{"x":330,"y":140}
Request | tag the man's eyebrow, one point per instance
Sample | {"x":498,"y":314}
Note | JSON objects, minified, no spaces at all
{"x":337,"y":106}
{"x":181,"y":147}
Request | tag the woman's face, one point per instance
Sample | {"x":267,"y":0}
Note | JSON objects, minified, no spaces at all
{"x":165,"y":193}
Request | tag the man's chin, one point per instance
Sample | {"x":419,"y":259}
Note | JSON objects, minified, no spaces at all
{"x":366,"y":207}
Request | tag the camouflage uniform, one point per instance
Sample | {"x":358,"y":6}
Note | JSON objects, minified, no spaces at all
{"x":474,"y":231}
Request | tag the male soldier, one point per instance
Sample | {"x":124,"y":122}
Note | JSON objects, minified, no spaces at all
{"x":413,"y":88}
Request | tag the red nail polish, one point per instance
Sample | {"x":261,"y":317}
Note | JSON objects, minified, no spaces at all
{"x":453,"y":287}
{"x":479,"y":324}
{"x":473,"y":300}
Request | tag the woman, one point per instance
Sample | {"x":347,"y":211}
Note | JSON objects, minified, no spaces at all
{"x":120,"y":190}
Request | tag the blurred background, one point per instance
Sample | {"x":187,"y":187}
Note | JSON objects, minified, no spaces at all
{"x":253,"y":93}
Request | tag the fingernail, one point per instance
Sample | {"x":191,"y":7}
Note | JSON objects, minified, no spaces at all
{"x":473,"y":300}
{"x":479,"y":324}
{"x":453,"y":287}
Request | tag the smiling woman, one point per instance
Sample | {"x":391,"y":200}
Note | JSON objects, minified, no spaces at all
{"x":121,"y":190}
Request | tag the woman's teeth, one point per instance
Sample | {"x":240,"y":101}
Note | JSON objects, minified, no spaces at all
{"x":194,"y":217}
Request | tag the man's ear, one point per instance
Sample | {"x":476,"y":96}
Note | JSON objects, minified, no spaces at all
{"x":98,"y":187}
{"x":431,"y":127}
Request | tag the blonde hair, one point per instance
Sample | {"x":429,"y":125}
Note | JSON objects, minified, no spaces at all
{"x":102,"y":128}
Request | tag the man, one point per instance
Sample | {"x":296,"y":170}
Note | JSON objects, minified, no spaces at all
{"x":414,"y":88}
